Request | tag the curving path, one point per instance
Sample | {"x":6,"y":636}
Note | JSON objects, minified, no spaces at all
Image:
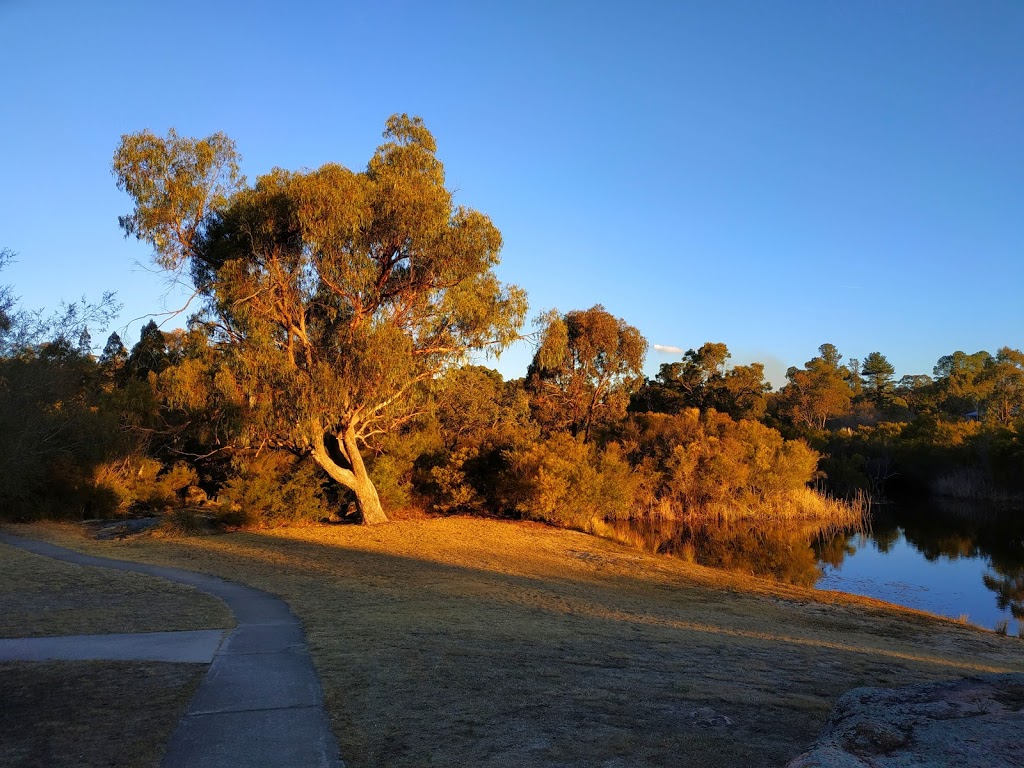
{"x":260,"y":703}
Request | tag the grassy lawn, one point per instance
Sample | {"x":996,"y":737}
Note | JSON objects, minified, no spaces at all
{"x":471,"y":642}
{"x":91,"y":713}
{"x":42,"y":596}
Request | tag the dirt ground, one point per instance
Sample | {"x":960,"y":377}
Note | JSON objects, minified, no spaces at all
{"x":463,"y":641}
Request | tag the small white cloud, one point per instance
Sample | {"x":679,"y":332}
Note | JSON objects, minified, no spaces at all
{"x":667,"y":350}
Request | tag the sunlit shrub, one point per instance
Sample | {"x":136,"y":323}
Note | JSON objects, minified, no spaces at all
{"x":273,"y":488}
{"x":478,"y":423}
{"x":706,"y":460}
{"x":394,"y":467}
{"x":443,"y":479}
{"x":185,"y":522}
{"x":565,"y":481}
{"x":140,"y":481}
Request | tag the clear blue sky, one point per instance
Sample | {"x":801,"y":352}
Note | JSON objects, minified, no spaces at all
{"x":773,"y":175}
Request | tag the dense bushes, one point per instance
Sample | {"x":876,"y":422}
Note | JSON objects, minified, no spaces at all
{"x":273,"y":488}
{"x":698,"y":462}
{"x":164,"y":427}
{"x":139,"y":482}
{"x":565,"y":481}
{"x":150,"y":431}
{"x":53,"y":432}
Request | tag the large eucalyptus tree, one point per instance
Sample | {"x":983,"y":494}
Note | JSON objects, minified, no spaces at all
{"x":336,"y":295}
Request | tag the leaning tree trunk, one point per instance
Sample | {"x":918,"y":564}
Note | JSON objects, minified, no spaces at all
{"x":368,"y":503}
{"x":354,"y":477}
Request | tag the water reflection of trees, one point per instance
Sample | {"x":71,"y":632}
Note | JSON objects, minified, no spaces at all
{"x":789,"y":552}
{"x":1009,"y":589}
{"x":796,"y":553}
{"x":957,"y":530}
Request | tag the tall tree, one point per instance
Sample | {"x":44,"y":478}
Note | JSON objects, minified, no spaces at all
{"x":961,"y":383}
{"x":1005,"y":376}
{"x":853,"y":378}
{"x":916,"y":391}
{"x":6,"y":298}
{"x":876,"y":373}
{"x":692,"y":378}
{"x":113,"y":357}
{"x":337,"y":295}
{"x":587,"y":365}
{"x":817,"y":392}
{"x":53,"y":424}
{"x":150,"y":354}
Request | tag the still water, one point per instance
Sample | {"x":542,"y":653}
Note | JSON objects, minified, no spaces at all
{"x":957,"y":561}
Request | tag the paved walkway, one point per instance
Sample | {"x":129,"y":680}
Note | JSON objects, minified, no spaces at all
{"x":261,"y":703}
{"x":198,"y":647}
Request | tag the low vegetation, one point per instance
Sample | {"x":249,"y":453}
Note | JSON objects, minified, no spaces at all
{"x":96,"y":713}
{"x":68,"y":714}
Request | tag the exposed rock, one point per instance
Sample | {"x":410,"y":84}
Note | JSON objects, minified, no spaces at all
{"x":964,"y":723}
{"x":121,"y":529}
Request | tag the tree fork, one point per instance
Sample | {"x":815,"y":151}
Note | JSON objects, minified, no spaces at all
{"x":355,"y":479}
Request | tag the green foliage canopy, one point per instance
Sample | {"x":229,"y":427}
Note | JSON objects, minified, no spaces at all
{"x":817,"y":392}
{"x":704,"y":379}
{"x":877,"y":373}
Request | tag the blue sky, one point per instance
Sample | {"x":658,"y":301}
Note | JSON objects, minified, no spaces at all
{"x":773,"y":175}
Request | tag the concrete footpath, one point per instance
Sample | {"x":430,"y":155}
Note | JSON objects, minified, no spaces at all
{"x":260,"y":703}
{"x":196,"y":647}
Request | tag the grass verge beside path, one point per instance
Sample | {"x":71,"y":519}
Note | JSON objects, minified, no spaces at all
{"x":72,"y":713}
{"x":41,"y":596}
{"x":472,"y":642}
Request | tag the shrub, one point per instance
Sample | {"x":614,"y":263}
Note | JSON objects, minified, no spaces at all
{"x":709,"y":461}
{"x":273,"y":488}
{"x":565,"y":481}
{"x":395,"y":466}
{"x":142,"y":481}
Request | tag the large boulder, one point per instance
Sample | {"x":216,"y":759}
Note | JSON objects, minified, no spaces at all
{"x":966,"y":723}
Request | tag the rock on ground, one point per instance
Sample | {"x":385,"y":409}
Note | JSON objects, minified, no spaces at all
{"x":966,"y":723}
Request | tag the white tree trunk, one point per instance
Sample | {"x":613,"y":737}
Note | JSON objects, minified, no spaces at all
{"x":355,"y":479}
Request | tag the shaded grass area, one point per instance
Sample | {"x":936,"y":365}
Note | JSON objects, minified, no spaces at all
{"x":91,"y":713}
{"x":473,"y":642}
{"x":41,"y":596}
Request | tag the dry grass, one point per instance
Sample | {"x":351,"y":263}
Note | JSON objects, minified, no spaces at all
{"x":41,"y":596}
{"x":968,"y":484}
{"x":91,"y":713}
{"x":472,"y":642}
{"x":800,"y":505}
